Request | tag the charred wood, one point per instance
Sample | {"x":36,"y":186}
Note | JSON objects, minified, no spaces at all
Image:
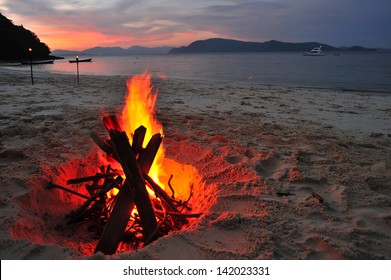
{"x":111,"y":123}
{"x":102,"y":144}
{"x":92,"y":178}
{"x":169,"y":204}
{"x":115,"y":227}
{"x":102,"y":192}
{"x":138,"y":139}
{"x":147,"y":155}
{"x":51,"y":185}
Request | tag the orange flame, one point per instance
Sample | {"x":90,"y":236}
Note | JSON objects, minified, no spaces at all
{"x":139,"y":110}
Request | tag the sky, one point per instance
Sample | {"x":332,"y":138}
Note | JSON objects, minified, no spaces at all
{"x":82,"y":24}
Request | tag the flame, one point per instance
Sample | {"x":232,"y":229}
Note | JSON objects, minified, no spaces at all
{"x":139,"y":109}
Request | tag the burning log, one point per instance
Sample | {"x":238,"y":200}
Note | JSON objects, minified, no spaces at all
{"x":138,"y":139}
{"x":98,"y":195}
{"x":115,"y":227}
{"x":166,"y":199}
{"x":135,"y":181}
{"x":137,"y":193}
{"x":101,"y":143}
{"x":147,"y":155}
{"x":92,"y":178}
{"x":111,"y":123}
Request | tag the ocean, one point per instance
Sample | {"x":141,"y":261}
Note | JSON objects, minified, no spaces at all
{"x":350,"y":71}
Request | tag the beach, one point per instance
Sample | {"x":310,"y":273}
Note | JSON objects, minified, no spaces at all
{"x":282,"y":172}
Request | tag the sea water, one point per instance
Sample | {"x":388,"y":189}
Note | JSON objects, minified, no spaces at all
{"x":350,"y":71}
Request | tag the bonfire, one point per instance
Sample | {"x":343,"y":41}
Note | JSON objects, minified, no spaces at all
{"x":126,"y":201}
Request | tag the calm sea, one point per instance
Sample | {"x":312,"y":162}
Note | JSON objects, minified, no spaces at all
{"x":352,"y":71}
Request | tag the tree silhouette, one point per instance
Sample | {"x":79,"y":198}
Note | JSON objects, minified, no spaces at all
{"x":16,"y":40}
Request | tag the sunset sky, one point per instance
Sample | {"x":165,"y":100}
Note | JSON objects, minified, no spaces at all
{"x":81,"y":24}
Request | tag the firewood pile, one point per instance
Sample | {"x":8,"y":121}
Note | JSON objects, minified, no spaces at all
{"x":156,"y":215}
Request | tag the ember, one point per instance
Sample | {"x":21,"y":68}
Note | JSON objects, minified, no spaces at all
{"x":126,"y":201}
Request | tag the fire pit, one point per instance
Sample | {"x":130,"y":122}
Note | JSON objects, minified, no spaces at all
{"x":125,"y":193}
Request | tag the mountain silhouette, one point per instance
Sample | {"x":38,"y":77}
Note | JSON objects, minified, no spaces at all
{"x":134,"y":50}
{"x":229,"y":45}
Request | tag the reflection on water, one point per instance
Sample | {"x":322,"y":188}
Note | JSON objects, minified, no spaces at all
{"x":367,"y":71}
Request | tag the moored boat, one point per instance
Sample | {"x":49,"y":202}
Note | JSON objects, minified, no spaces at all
{"x":28,"y":62}
{"x":80,"y":60}
{"x":315,"y":52}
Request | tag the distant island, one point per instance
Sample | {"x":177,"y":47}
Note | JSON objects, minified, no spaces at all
{"x":214,"y":45}
{"x":228,"y":45}
{"x":16,"y":41}
{"x":115,"y":51}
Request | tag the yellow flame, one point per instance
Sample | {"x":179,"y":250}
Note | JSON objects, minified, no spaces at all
{"x":139,"y":110}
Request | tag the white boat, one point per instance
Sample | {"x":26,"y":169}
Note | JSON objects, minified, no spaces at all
{"x":315,"y":52}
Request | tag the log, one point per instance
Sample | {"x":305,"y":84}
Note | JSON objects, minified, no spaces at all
{"x":132,"y":193}
{"x":188,"y":215}
{"x":169,"y":204}
{"x":92,"y":213}
{"x":115,"y":227}
{"x":91,"y":199}
{"x":135,"y":182}
{"x":111,"y":123}
{"x":147,"y":155}
{"x":138,"y":139}
{"x":91,"y":178}
{"x":102,"y":144}
{"x":51,"y":185}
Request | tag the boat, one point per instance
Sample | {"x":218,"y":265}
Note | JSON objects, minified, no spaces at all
{"x":80,"y":60}
{"x":28,"y":62}
{"x":315,"y":52}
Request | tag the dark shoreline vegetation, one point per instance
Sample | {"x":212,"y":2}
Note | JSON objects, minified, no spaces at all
{"x":16,"y":41}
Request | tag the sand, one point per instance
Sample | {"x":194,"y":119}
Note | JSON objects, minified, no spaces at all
{"x":282,"y":172}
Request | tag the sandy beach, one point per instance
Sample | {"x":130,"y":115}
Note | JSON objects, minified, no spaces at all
{"x":282,"y":172}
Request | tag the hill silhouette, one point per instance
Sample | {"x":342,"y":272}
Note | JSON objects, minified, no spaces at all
{"x":115,"y":51}
{"x":229,"y":45}
{"x":16,"y":40}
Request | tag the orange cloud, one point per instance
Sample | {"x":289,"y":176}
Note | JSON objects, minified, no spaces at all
{"x":83,"y":39}
{"x":59,"y":33}
{"x":74,"y":39}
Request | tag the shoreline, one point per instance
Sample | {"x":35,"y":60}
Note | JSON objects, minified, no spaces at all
{"x":46,"y":74}
{"x":377,"y":85}
{"x":250,"y":144}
